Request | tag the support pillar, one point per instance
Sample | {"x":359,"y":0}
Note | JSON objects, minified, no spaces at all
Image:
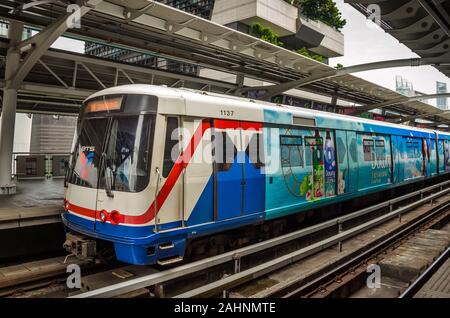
{"x":8,"y":114}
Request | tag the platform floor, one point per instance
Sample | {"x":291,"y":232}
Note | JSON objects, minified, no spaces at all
{"x":439,"y":284}
{"x":35,"y":193}
{"x":36,"y":202}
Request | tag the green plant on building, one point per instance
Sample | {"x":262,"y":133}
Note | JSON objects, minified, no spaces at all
{"x":304,"y":51}
{"x":321,"y":10}
{"x":339,"y":66}
{"x":264,"y":33}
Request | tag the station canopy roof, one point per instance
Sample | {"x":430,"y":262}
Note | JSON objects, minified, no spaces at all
{"x":156,"y":29}
{"x":423,"y":26}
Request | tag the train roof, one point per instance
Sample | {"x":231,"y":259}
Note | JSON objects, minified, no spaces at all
{"x":246,"y":103}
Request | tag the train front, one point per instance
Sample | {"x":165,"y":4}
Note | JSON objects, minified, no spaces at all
{"x":109,"y":193}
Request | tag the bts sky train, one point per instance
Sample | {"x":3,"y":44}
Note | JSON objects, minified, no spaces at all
{"x":154,"y":168}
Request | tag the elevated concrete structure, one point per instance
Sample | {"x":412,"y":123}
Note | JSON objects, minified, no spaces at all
{"x":295,"y":30}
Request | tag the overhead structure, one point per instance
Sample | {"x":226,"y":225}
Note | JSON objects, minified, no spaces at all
{"x":421,"y":25}
{"x":153,"y":28}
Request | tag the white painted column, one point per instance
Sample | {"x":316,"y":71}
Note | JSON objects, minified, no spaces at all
{"x":8,"y":114}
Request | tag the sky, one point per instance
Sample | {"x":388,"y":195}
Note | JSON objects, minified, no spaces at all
{"x":364,"y":42}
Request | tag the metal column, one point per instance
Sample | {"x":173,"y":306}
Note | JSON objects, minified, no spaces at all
{"x":8,"y":115}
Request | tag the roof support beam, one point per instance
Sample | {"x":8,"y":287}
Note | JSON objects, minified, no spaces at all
{"x":400,"y":100}
{"x":53,"y":73}
{"x":274,"y":90}
{"x":444,"y":25}
{"x":39,"y":44}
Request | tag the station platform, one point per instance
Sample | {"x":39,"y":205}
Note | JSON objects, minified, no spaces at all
{"x":37,"y":202}
{"x":30,"y":221}
{"x":439,"y":284}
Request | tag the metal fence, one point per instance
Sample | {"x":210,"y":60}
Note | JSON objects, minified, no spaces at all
{"x":27,"y":165}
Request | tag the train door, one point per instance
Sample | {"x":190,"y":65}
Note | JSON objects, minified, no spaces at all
{"x":254,"y":179}
{"x":315,"y":153}
{"x":343,"y":162}
{"x":352,"y":162}
{"x":239,"y":183}
{"x":431,"y":156}
{"x":173,"y":208}
{"x":228,"y":170}
{"x":427,"y":151}
{"x":441,"y":158}
{"x":447,"y":155}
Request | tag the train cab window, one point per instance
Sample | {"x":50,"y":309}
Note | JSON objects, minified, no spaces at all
{"x":292,"y":151}
{"x":129,"y":152}
{"x":87,"y":154}
{"x":172,"y":145}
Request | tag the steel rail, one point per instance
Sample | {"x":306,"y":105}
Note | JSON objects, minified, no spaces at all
{"x":328,"y":277}
{"x":236,"y":255}
{"x":268,"y":267}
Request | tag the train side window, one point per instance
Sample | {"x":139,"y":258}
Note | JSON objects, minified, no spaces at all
{"x":224,"y":151}
{"x":311,"y":145}
{"x":368,"y":146}
{"x":412,"y":149}
{"x":255,"y":151}
{"x":172,"y":145}
{"x":291,"y":151}
{"x":380,"y":151}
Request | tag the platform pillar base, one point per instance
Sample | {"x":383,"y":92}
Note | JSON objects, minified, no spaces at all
{"x":8,"y":189}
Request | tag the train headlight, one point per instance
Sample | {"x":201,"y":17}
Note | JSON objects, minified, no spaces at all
{"x":103,"y":216}
{"x":116,"y":217}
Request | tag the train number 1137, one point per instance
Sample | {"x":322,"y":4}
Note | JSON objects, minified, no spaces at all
{"x":228,"y":113}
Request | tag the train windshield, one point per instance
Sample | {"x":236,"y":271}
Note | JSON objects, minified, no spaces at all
{"x":121,"y":143}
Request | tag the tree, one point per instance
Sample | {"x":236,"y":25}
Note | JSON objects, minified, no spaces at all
{"x":304,"y":51}
{"x":322,"y":10}
{"x":266,"y":34}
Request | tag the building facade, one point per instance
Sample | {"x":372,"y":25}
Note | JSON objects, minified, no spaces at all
{"x":441,"y":102}
{"x":52,"y":134}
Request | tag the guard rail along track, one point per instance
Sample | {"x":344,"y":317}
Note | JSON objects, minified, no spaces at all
{"x":235,"y":256}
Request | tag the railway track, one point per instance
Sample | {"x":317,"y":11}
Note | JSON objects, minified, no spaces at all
{"x":217,"y":275}
{"x":40,"y":277}
{"x":350,"y":277}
